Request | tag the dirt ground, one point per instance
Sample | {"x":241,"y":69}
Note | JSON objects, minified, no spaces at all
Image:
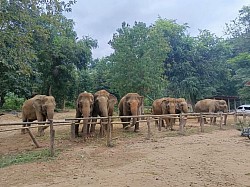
{"x":214,"y":158}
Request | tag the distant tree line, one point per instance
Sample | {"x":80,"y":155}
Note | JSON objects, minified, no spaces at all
{"x":41,"y":53}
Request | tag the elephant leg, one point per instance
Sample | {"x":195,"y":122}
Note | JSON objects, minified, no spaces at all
{"x":124,"y":120}
{"x":23,"y":131}
{"x":225,"y":119}
{"x":41,"y":129}
{"x":84,"y":131}
{"x":77,"y":129}
{"x":92,"y":127}
{"x":172,"y":121}
{"x":136,"y":127}
{"x":212,"y":121}
{"x":103,"y":129}
{"x":167,"y":123}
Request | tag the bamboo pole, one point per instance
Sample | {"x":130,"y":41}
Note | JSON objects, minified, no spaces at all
{"x":181,"y":125}
{"x":52,"y":139}
{"x":221,"y":121}
{"x":32,"y":137}
{"x":72,"y":129}
{"x":160,"y":124}
{"x":149,"y":130}
{"x":109,"y":134}
{"x":244,"y":118}
{"x":202,"y":122}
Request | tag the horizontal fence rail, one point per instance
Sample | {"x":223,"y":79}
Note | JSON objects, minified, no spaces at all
{"x":183,"y":117}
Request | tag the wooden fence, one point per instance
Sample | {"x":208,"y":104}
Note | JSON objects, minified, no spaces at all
{"x":109,"y":121}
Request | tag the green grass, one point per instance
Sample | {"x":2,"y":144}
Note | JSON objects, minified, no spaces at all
{"x":26,"y":157}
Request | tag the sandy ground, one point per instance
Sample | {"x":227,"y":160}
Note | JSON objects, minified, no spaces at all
{"x":214,"y":158}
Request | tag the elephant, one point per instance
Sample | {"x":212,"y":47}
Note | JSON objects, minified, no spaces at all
{"x":182,"y":106}
{"x":40,"y":108}
{"x":84,"y":108}
{"x":131,"y":105}
{"x":162,"y":106}
{"x":104,"y":103}
{"x":111,"y":105}
{"x":211,"y":106}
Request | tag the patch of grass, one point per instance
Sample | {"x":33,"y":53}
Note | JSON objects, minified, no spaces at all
{"x":240,"y":125}
{"x":21,"y":158}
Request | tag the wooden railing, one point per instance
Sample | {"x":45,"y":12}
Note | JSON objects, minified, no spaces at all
{"x":109,"y":121}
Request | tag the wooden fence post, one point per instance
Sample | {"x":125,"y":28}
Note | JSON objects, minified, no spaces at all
{"x":33,"y":138}
{"x":221,"y":121}
{"x":202,"y":122}
{"x":52,"y":138}
{"x":244,"y":117}
{"x":72,"y":129}
{"x":159,"y":123}
{"x":149,"y":130}
{"x":109,"y":134}
{"x":235,"y":117}
{"x":181,"y":125}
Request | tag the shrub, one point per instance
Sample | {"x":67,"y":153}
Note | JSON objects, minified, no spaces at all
{"x":12,"y":102}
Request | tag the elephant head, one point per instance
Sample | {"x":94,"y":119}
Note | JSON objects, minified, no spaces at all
{"x":44,"y":107}
{"x":103,"y":103}
{"x":168,"y":106}
{"x":111,"y":104}
{"x":84,"y":108}
{"x":131,"y":105}
{"x":221,"y":105}
{"x":182,"y":106}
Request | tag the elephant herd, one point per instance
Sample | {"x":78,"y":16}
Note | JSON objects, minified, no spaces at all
{"x":102,"y":103}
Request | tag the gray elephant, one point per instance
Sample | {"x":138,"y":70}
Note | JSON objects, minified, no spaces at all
{"x":162,"y":106}
{"x":181,"y":106}
{"x":131,"y":105}
{"x":40,"y":108}
{"x":84,"y":108}
{"x":104,"y":103}
{"x":211,"y":106}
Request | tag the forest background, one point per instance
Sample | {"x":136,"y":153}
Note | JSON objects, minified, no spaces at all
{"x":42,"y":54}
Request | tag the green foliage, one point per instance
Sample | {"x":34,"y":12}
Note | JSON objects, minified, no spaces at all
{"x":238,"y":30}
{"x":21,"y":158}
{"x":137,"y":63}
{"x":241,"y":63}
{"x":196,"y":66}
{"x":13,"y":102}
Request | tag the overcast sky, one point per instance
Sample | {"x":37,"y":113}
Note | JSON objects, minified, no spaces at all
{"x":99,"y":19}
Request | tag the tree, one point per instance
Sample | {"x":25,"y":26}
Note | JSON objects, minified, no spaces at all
{"x":137,"y":62}
{"x":239,"y":38}
{"x":196,"y":66}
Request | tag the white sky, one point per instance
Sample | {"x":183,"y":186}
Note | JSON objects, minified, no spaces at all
{"x":100,"y":19}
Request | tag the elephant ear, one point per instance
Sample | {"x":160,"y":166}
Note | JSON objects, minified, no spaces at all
{"x":141,"y":98}
{"x":112,"y":99}
{"x":164,"y":105}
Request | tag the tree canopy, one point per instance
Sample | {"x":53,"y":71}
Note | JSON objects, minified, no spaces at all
{"x":41,"y":53}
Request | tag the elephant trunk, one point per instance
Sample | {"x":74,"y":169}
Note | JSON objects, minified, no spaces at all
{"x":134,"y":111}
{"x":172,"y":108}
{"x":50,"y":113}
{"x":85,"y":113}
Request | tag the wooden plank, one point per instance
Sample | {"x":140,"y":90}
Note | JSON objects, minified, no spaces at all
{"x":52,"y":139}
{"x":149,"y":130}
{"x":33,"y":138}
{"x":202,"y":122}
{"x":109,"y":135}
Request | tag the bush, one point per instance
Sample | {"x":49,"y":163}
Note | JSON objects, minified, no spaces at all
{"x":12,"y":102}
